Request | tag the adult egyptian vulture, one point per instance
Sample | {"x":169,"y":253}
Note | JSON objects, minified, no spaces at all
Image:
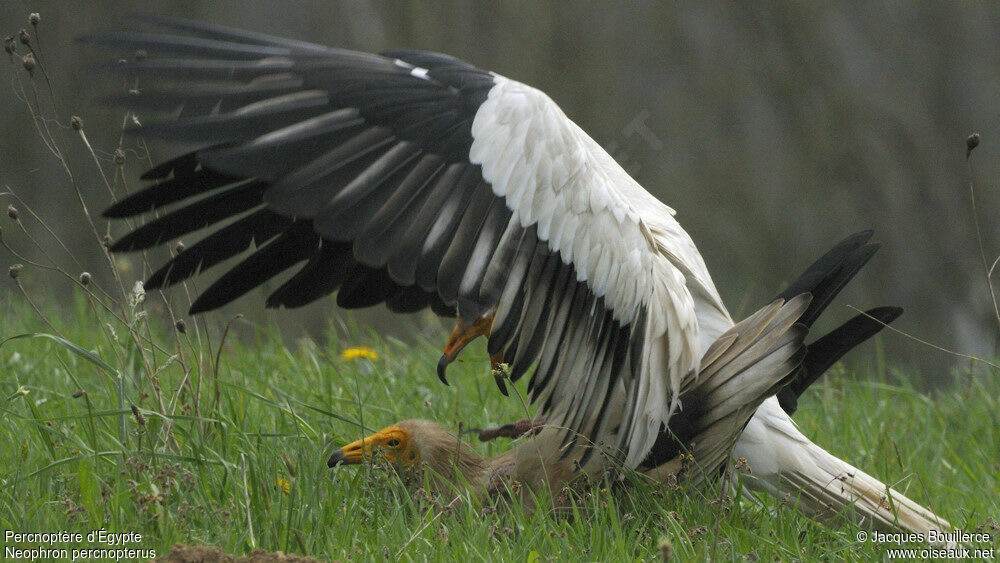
{"x":417,"y":180}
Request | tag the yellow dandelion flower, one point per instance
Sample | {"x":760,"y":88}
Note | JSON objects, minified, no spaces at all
{"x":359,"y":352}
{"x":283,"y":485}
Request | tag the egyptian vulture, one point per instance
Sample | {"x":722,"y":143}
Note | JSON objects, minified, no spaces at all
{"x":417,"y":180}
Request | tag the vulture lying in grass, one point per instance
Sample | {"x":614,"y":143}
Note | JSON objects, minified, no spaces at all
{"x":417,"y":180}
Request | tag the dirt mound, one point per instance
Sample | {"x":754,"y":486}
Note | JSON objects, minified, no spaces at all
{"x":181,"y":553}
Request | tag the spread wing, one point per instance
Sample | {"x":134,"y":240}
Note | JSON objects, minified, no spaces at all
{"x":417,"y":180}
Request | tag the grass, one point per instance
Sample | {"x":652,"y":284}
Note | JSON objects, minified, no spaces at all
{"x":80,"y":462}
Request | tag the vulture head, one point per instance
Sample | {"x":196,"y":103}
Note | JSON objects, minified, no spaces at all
{"x":417,"y":448}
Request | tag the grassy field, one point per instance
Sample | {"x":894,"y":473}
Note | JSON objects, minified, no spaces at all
{"x":233,"y":455}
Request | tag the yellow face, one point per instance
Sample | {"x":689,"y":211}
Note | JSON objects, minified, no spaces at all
{"x":393,"y":444}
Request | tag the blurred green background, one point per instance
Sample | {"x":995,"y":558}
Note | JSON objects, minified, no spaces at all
{"x":773,"y":130}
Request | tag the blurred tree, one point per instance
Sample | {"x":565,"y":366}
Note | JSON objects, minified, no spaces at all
{"x":774,"y":129}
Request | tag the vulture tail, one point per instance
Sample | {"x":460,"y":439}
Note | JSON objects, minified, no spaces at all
{"x":802,"y":474}
{"x":742,"y":368}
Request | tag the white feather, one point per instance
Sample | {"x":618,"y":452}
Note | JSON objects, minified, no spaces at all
{"x":586,"y":207}
{"x":783,"y":462}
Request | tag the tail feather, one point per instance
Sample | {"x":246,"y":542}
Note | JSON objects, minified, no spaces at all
{"x":844,"y":489}
{"x":739,"y":371}
{"x":789,"y":466}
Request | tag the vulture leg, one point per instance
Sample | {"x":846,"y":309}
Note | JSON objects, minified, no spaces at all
{"x":523,"y":427}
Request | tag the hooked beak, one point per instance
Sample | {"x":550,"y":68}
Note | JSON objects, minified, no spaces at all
{"x":337,"y":458}
{"x":351,"y":454}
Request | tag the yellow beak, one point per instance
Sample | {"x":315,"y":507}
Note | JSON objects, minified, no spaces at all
{"x":351,"y":454}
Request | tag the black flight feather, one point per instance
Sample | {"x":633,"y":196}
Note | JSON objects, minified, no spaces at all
{"x":198,"y":215}
{"x":257,"y":228}
{"x":325,"y":271}
{"x":291,"y":247}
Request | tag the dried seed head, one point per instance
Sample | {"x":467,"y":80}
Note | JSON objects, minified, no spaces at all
{"x":971,"y":142}
{"x":138,"y":416}
{"x":666,"y":550}
{"x":29,"y":62}
{"x":34,"y":18}
{"x":76,"y":123}
{"x":179,"y":248}
{"x":23,"y":37}
{"x":743,"y":465}
{"x":12,"y":212}
{"x":78,"y":393}
{"x":119,"y":157}
{"x":85,"y":278}
{"x":138,"y":294}
{"x":15,"y":270}
{"x":502,"y":371}
{"x":9,"y":45}
{"x":181,"y":326}
{"x":697,"y":531}
{"x":289,"y":464}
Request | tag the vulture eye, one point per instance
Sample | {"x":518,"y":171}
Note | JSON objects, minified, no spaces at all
{"x":392,"y":443}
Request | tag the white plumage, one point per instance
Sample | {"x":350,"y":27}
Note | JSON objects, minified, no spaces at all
{"x":550,"y":172}
{"x":782,"y":461}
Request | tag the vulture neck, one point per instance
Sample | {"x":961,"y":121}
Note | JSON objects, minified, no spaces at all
{"x":452,"y":464}
{"x":448,"y":464}
{"x":523,"y":465}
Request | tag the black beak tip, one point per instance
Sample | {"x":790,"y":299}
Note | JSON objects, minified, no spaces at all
{"x":338,"y":457}
{"x":443,"y":367}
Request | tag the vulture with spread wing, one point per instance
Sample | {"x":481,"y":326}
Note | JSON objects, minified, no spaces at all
{"x":417,"y":180}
